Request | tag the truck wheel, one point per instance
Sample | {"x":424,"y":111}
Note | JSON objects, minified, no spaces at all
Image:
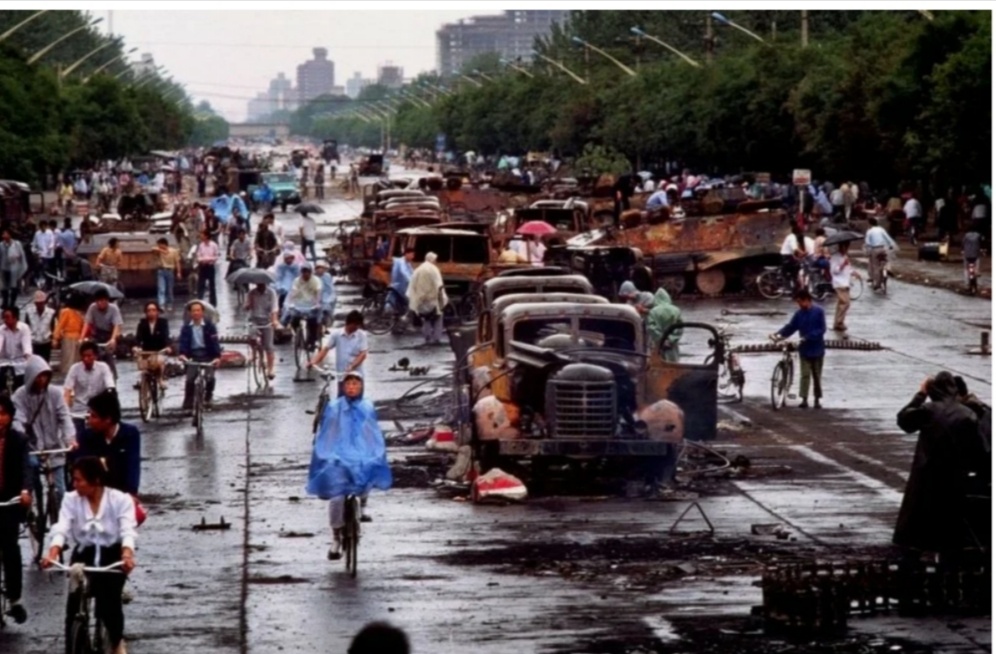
{"x":710,"y":282}
{"x":674,"y":284}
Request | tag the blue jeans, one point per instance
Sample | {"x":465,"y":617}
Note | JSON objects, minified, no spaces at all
{"x":165,"y":279}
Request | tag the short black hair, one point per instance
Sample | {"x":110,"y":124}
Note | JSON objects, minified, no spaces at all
{"x":354,"y":317}
{"x":92,"y":469}
{"x":101,"y":294}
{"x":163,"y":241}
{"x":88,"y":346}
{"x":14,"y":310}
{"x":106,"y":405}
{"x":873,"y":222}
{"x":380,"y":638}
{"x":152,"y":303}
{"x":803,"y":294}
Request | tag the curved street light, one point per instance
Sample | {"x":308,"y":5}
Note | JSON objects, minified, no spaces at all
{"x":626,"y":69}
{"x":23,"y":23}
{"x":684,"y":57}
{"x":726,"y":21}
{"x":471,"y":80}
{"x":522,"y":70}
{"x":409,"y":94}
{"x":108,"y":63}
{"x":41,"y":53}
{"x":79,"y":61}
{"x":574,"y":76}
{"x":481,"y":74}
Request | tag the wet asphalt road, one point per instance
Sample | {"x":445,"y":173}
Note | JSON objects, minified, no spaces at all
{"x":264,"y":584}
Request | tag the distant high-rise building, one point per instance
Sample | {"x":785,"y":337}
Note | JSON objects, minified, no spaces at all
{"x":315,"y":77}
{"x":259,"y":108}
{"x":282,"y":93}
{"x":510,"y":34}
{"x":357,"y":83}
{"x":390,"y":75}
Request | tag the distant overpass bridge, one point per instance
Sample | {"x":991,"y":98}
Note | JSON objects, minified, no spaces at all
{"x":255,"y":130}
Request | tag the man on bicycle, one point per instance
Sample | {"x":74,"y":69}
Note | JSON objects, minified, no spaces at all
{"x":102,"y":323}
{"x":349,"y":456}
{"x":328,"y":292}
{"x":15,"y":481}
{"x":263,"y":307}
{"x":878,"y":243}
{"x":350,"y":345}
{"x":42,"y":415}
{"x":304,"y":301}
{"x":199,"y":343}
{"x":86,"y":379}
{"x":239,"y":253}
{"x":15,"y":345}
{"x":795,"y":248}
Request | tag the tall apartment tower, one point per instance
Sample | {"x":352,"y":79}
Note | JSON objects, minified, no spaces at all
{"x":315,"y":77}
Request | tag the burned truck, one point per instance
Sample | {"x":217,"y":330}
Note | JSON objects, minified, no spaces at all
{"x":565,"y":381}
{"x":709,"y":244}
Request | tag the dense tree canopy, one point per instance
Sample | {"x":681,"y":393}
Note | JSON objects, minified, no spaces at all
{"x":885,"y":96}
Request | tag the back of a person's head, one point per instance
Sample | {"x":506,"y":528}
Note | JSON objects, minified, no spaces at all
{"x":380,"y":638}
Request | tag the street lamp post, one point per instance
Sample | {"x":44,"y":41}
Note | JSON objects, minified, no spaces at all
{"x":726,"y":21}
{"x":481,"y":74}
{"x":79,"y":61}
{"x":626,"y":69}
{"x":684,"y":57}
{"x":108,"y":63}
{"x":518,"y":68}
{"x":41,"y":53}
{"x":22,"y":23}
{"x":471,"y":80}
{"x":573,"y":75}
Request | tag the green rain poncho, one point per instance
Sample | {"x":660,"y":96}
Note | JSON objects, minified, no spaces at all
{"x":663,"y":314}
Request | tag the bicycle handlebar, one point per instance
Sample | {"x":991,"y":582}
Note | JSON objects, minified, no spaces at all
{"x":14,"y":501}
{"x":60,"y":567}
{"x":327,"y":373}
{"x":51,"y":452}
{"x":199,"y":364}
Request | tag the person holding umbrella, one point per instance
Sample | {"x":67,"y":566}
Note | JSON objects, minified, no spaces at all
{"x":840,"y":275}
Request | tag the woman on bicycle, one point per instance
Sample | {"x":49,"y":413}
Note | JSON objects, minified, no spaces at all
{"x":152,"y":334}
{"x":100,"y":521}
{"x":349,"y":456}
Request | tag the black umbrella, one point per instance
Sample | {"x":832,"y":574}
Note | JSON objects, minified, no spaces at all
{"x":251,"y":276}
{"x":91,"y":288}
{"x":843,"y":237}
{"x":308,"y":207}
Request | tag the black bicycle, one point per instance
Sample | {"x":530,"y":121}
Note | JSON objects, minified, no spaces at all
{"x":731,"y":377}
{"x":44,"y":511}
{"x":200,"y":395}
{"x":324,"y":397}
{"x":351,"y":533}
{"x":86,"y":634}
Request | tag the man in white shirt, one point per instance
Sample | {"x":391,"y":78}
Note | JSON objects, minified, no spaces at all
{"x":308,"y":234}
{"x":15,"y":345}
{"x":877,"y":243}
{"x":207,"y":258}
{"x":43,"y":246}
{"x":305,"y":301}
{"x":40,"y":318}
{"x":350,"y":345}
{"x":86,"y":378}
{"x":914,"y":217}
{"x":840,"y":276}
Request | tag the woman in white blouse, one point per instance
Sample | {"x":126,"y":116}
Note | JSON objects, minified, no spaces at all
{"x":100,"y":522}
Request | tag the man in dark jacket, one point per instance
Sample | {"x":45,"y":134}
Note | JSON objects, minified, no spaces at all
{"x":117,"y":444}
{"x":15,"y":483}
{"x":811,"y":323}
{"x":932,"y":516}
{"x":199,"y":343}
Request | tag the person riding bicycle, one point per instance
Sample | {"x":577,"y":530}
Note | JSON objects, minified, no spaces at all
{"x":109,"y":261}
{"x":263,"y":198}
{"x":328,"y":292}
{"x":262,"y":305}
{"x":199,"y":343}
{"x":286,"y":272}
{"x":100,"y":522}
{"x":40,"y":319}
{"x":305,"y":301}
{"x":86,"y":379}
{"x":794,"y":249}
{"x":349,"y":456}
{"x":350,"y":345}
{"x":15,"y":345}
{"x":239,"y":253}
{"x":266,"y":246}
{"x":15,"y":481}
{"x":117,"y":444}
{"x":878,"y":243}
{"x":152,"y":335}
{"x":102,"y":324}
{"x":42,"y":415}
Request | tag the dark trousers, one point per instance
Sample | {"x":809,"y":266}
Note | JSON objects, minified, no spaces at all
{"x":44,"y":350}
{"x":106,"y":590}
{"x":10,"y":527}
{"x":9,"y":295}
{"x":205,"y":276}
{"x":188,"y":387}
{"x":305,"y":246}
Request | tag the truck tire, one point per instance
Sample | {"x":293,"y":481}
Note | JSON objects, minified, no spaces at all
{"x":710,"y":282}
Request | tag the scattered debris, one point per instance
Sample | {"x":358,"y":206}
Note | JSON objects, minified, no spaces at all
{"x":204,"y":525}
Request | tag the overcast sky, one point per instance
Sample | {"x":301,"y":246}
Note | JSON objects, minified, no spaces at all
{"x":226,"y":57}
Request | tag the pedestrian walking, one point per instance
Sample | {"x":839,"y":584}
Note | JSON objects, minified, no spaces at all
{"x":207,"y":259}
{"x":13,"y":266}
{"x":309,"y":232}
{"x":40,"y":319}
{"x":67,"y":333}
{"x":168,"y":273}
{"x":811,"y":324}
{"x":840,"y":276}
{"x":662,"y":315}
{"x":319,"y":182}
{"x":427,"y":298}
{"x":971,"y":248}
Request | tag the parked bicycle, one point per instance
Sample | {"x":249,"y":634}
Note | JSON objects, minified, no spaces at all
{"x":85,"y":634}
{"x":200,"y":395}
{"x":731,"y":377}
{"x":45,"y":503}
{"x":150,"y":390}
{"x":783,"y":374}
{"x":385,"y":311}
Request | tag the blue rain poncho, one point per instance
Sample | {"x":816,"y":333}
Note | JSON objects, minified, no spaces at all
{"x":349,"y":457}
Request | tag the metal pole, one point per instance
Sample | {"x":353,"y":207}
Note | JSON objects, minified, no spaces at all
{"x":22,"y":23}
{"x":86,"y":56}
{"x":709,"y":38}
{"x":41,"y":53}
{"x":805,"y":28}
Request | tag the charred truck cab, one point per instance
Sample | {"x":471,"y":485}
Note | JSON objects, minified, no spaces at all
{"x":566,"y":380}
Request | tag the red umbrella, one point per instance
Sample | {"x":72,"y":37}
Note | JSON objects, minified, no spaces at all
{"x":537,"y":228}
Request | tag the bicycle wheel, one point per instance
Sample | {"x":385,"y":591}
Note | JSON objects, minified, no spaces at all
{"x":240,"y":296}
{"x":378,"y":318}
{"x":780,"y":380}
{"x":258,"y":368}
{"x":723,"y":381}
{"x":198,"y":422}
{"x":351,"y":534}
{"x":51,"y":506}
{"x":857,"y":285}
{"x":79,"y":636}
{"x":300,"y":347}
{"x":157,"y":398}
{"x":145,"y":398}
{"x":36,"y":532}
{"x":770,"y":284}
